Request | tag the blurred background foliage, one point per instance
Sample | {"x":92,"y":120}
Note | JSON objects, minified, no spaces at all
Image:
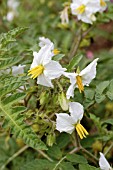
{"x":42,"y":18}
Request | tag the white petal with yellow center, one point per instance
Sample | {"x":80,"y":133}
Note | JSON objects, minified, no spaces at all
{"x":68,"y":123}
{"x":81,"y":79}
{"x":36,"y":71}
{"x":84,"y":9}
{"x":43,"y":68}
{"x":81,"y":9}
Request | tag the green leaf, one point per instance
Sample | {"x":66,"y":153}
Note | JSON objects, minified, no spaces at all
{"x":110,"y":90}
{"x":100,"y":91}
{"x":13,"y":98}
{"x":89,"y":97}
{"x":109,"y":121}
{"x":101,"y":87}
{"x":9,"y":62}
{"x":76,"y":158}
{"x":63,"y":140}
{"x":87,"y":167}
{"x":15,"y":121}
{"x":58,"y":57}
{"x":54,"y":152}
{"x":66,"y":166}
{"x":10,"y":88}
{"x":6,"y":38}
{"x":39,"y":164}
{"x":75,"y":60}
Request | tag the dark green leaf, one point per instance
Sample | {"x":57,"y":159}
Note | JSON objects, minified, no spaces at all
{"x":74,"y":62}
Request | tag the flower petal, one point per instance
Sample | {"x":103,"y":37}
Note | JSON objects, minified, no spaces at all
{"x":103,"y":163}
{"x":76,"y":110}
{"x":64,"y":123}
{"x":47,"y":55}
{"x":45,"y":41}
{"x":42,"y":57}
{"x":16,"y":70}
{"x":71,"y":76}
{"x":53,"y":70}
{"x":89,"y":73}
{"x":70,"y":91}
{"x":45,"y":81}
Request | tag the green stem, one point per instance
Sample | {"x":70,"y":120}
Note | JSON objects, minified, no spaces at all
{"x":75,"y":45}
{"x":45,"y":155}
{"x":14,"y":156}
{"x":59,"y":163}
{"x":88,"y":153}
{"x":110,"y":147}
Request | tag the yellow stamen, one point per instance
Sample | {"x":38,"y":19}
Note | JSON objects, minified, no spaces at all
{"x":56,"y":51}
{"x":82,"y":132}
{"x":102,"y":3}
{"x":81,"y":9}
{"x":36,"y":71}
{"x":79,"y":83}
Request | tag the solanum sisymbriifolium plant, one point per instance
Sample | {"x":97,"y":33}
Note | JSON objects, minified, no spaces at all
{"x":56,"y":85}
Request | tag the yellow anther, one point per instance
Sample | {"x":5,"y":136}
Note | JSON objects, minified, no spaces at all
{"x":82,"y":132}
{"x":79,"y":83}
{"x":102,"y":3}
{"x":81,"y":9}
{"x":36,"y":71}
{"x":56,"y":51}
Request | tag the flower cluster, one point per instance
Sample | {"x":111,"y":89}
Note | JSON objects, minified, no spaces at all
{"x":85,"y":10}
{"x":12,"y":5}
{"x":45,"y":70}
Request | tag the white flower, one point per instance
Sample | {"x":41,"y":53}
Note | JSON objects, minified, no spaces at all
{"x":103,"y":5}
{"x":47,"y":42}
{"x":10,"y":16}
{"x":84,"y":9}
{"x":16,"y":70}
{"x":103,"y":163}
{"x":43,"y":68}
{"x":81,"y":79}
{"x":12,"y":4}
{"x":64,"y":16}
{"x":68,"y":123}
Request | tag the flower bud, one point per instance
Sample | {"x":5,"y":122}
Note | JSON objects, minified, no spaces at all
{"x":35,"y":127}
{"x":20,"y":142}
{"x":43,"y":98}
{"x":64,"y":103}
{"x":51,"y":139}
{"x":97,"y":146}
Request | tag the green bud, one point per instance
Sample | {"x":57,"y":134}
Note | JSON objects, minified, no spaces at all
{"x":35,"y":127}
{"x":66,"y":4}
{"x":51,"y":139}
{"x":43,"y":98}
{"x":64,"y":103}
